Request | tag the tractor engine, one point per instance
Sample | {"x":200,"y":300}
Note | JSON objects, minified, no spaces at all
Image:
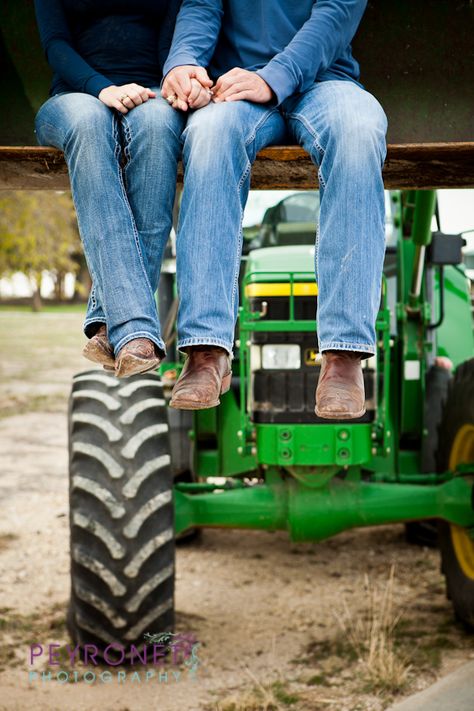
{"x":284,"y":360}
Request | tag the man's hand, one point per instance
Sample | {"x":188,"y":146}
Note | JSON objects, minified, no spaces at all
{"x":239,"y":84}
{"x":126,"y":97}
{"x":188,"y":86}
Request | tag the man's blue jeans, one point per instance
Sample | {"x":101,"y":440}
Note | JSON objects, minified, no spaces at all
{"x":123,"y":181}
{"x":125,"y":215}
{"x":343,"y":129}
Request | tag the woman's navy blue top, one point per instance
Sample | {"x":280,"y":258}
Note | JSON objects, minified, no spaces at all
{"x":92,"y":44}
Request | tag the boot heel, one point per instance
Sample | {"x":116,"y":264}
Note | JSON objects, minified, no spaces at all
{"x":226,"y":380}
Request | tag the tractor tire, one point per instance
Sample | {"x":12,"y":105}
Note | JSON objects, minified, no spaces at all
{"x":121,"y":510}
{"x":422,"y":533}
{"x":456,"y":446}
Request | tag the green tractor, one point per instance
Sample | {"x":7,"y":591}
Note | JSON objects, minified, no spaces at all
{"x":142,"y":476}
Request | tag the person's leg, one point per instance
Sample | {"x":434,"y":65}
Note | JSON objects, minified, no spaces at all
{"x":87,"y":131}
{"x":151,"y":136}
{"x":343,"y":128}
{"x":220,"y":143}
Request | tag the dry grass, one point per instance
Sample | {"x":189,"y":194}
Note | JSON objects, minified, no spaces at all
{"x":261,"y":697}
{"x":18,"y":631}
{"x":6,"y":540}
{"x":257,"y":699}
{"x":274,"y":695}
{"x":371,"y":633}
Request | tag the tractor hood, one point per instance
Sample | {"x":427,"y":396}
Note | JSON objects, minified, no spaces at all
{"x":298,"y":260}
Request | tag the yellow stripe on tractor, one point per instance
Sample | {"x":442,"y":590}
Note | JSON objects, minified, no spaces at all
{"x":281,"y":289}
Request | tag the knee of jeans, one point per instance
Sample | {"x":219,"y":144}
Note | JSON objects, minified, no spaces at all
{"x":76,"y":120}
{"x":154,"y":119}
{"x":360,"y":136}
{"x":90,"y":125}
{"x":213,"y":129}
{"x":77,"y":116}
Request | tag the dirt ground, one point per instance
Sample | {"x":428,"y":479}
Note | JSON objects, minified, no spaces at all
{"x":276,"y":621}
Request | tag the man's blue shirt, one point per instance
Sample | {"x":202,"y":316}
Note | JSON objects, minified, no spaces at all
{"x":290,"y":43}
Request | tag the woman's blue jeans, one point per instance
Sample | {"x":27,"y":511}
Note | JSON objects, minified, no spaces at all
{"x":343,"y":129}
{"x":123,"y":180}
{"x":125,"y":215}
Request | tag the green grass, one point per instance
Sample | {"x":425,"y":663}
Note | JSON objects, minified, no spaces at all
{"x":34,"y":403}
{"x":39,"y":354}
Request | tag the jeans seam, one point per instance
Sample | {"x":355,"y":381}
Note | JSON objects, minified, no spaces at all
{"x":206,"y":341}
{"x":258,"y":125}
{"x":347,"y":346}
{"x":235,"y":286}
{"x":118,"y":148}
{"x":243,"y":178}
{"x":309,"y":127}
{"x":321,"y":177}
{"x":127,"y":137}
{"x":316,"y":142}
{"x":88,"y":321}
{"x":316,"y":265}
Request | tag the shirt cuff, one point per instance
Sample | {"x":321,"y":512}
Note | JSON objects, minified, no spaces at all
{"x":96,"y":83}
{"x":278,"y":80}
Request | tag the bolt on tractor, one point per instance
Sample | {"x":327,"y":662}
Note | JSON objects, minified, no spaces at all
{"x":142,"y":476}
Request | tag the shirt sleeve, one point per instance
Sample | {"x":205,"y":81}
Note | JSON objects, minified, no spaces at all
{"x":196,"y":34}
{"x":320,"y":41}
{"x":167,"y":30}
{"x":57,"y":43}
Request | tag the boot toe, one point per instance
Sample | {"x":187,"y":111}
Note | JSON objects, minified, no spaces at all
{"x":137,"y":356}
{"x":193,"y":398}
{"x":336,"y":407}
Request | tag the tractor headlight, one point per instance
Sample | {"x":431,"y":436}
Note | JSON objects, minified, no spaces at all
{"x":281,"y":357}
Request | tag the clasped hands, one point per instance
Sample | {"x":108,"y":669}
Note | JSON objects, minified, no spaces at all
{"x":189,"y":87}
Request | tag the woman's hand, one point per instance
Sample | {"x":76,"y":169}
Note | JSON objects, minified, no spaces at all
{"x":126,"y":97}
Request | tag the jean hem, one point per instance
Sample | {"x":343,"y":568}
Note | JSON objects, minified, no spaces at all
{"x":367,"y":348}
{"x":206,"y":341}
{"x":89,"y":322}
{"x":140,"y":334}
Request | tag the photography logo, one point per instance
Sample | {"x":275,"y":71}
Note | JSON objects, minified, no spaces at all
{"x":164,"y":658}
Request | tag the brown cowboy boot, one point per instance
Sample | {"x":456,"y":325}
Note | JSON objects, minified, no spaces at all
{"x":340,"y":394}
{"x":99,"y":350}
{"x":137,"y":356}
{"x":206,"y":375}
